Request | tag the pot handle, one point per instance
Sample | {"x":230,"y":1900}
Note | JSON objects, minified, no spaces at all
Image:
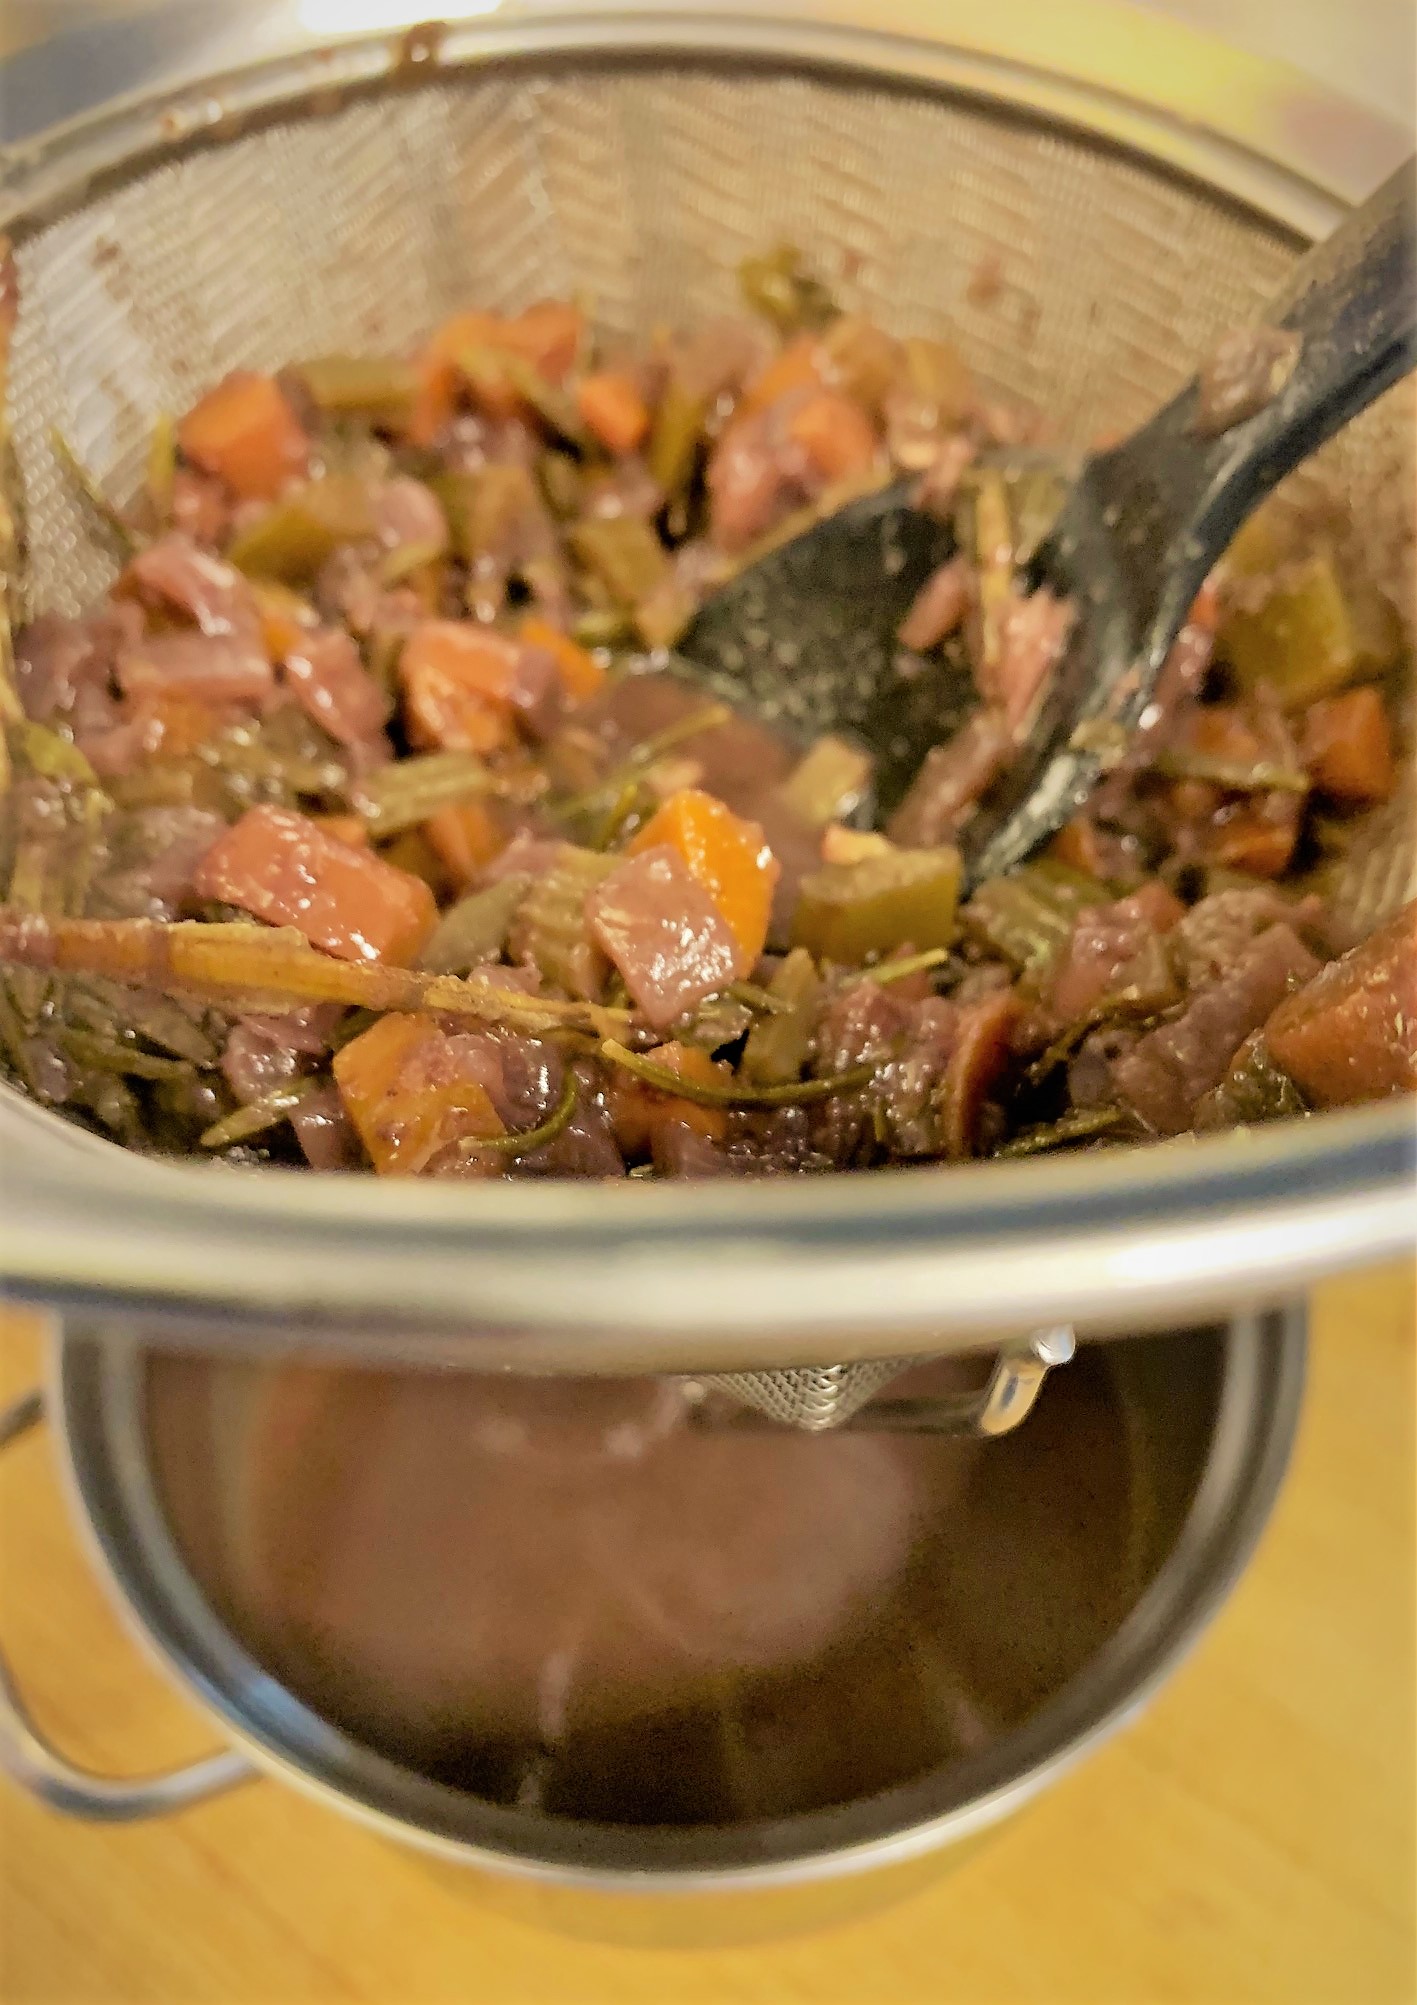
{"x":27,"y":1758}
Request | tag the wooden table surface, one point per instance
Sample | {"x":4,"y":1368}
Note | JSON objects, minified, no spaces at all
{"x":1251,"y":1838}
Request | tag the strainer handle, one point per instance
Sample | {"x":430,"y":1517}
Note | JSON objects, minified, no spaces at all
{"x":28,"y":1759}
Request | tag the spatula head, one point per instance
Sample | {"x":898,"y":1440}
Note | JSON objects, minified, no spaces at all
{"x":806,"y":637}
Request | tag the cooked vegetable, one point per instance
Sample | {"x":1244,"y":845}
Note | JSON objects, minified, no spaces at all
{"x":1254,"y":1089}
{"x":476,"y":928}
{"x":1300,"y":633}
{"x":1350,"y":1033}
{"x":1347,"y":747}
{"x":553,"y":925}
{"x":613,"y":411}
{"x":665,"y":934}
{"x":525,"y":1141}
{"x":1256,"y":776}
{"x":1028,"y":916}
{"x":779,"y":1045}
{"x":975,"y":1067}
{"x":108,"y":513}
{"x":785,"y":291}
{"x":994,"y":562}
{"x":245,"y":432}
{"x":582,"y":676}
{"x":458,"y":681}
{"x":300,"y":532}
{"x":1082,"y":1124}
{"x":728,"y":856}
{"x":400,"y":796}
{"x":623,"y":553}
{"x":267,"y":1112}
{"x":835,"y":435}
{"x":675,"y":437}
{"x":389,"y":1080}
{"x":794,"y":1093}
{"x":286,"y":869}
{"x":939,"y":607}
{"x":1170,"y":1069}
{"x":848,"y":912}
{"x":272,"y":969}
{"x":373,"y":387}
{"x":828,"y":783}
{"x":466,"y":838}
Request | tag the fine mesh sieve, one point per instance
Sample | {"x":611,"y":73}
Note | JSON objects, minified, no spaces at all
{"x":1076,"y":276}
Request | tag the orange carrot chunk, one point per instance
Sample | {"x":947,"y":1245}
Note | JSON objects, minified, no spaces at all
{"x":408,"y":1095}
{"x":802,"y":364}
{"x":835,"y":434}
{"x":284,"y":868}
{"x":1347,"y":746}
{"x":466,"y":839}
{"x":582,"y":676}
{"x":728,"y":856}
{"x":613,"y":410}
{"x":548,"y":335}
{"x":458,"y":680}
{"x":639,"y":1111}
{"x":286,"y":618}
{"x":438,"y":373}
{"x":344,"y":828}
{"x":1350,"y":1034}
{"x":245,"y":432}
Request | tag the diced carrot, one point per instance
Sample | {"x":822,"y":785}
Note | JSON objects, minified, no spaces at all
{"x":548,"y":335}
{"x":466,"y":838}
{"x":728,"y":856}
{"x":836,"y":435}
{"x":801,"y":365}
{"x":1076,"y":844}
{"x":286,"y":618}
{"x":438,"y":373}
{"x":245,"y":431}
{"x":1253,"y":843}
{"x":582,"y":676}
{"x":344,"y":828}
{"x":638,"y":1110}
{"x":841,"y":844}
{"x":975,"y":1065}
{"x":283,"y":867}
{"x":413,"y":852}
{"x":1220,"y":731}
{"x":1350,"y":1034}
{"x":1347,"y":746}
{"x":172,"y":724}
{"x":457,"y":679}
{"x":398,"y":1090}
{"x":612,"y":408}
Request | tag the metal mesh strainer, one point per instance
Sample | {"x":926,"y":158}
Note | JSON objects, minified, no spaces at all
{"x":1076,"y":276}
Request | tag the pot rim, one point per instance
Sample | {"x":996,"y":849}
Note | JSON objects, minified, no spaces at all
{"x":771,"y":1273}
{"x":94,"y":1400}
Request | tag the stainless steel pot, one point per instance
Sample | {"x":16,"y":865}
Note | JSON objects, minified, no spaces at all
{"x":1201,"y":1421}
{"x":1144,"y":188}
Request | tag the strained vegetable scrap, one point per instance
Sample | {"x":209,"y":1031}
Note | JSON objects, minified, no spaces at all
{"x":349,"y":829}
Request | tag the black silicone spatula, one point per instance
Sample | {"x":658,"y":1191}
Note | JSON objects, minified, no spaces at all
{"x":1139,"y":529}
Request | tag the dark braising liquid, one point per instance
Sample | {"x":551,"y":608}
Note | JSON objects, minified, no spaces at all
{"x":557,"y":1593}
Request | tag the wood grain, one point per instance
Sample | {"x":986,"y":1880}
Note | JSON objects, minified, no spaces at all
{"x":1252,"y":1839}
